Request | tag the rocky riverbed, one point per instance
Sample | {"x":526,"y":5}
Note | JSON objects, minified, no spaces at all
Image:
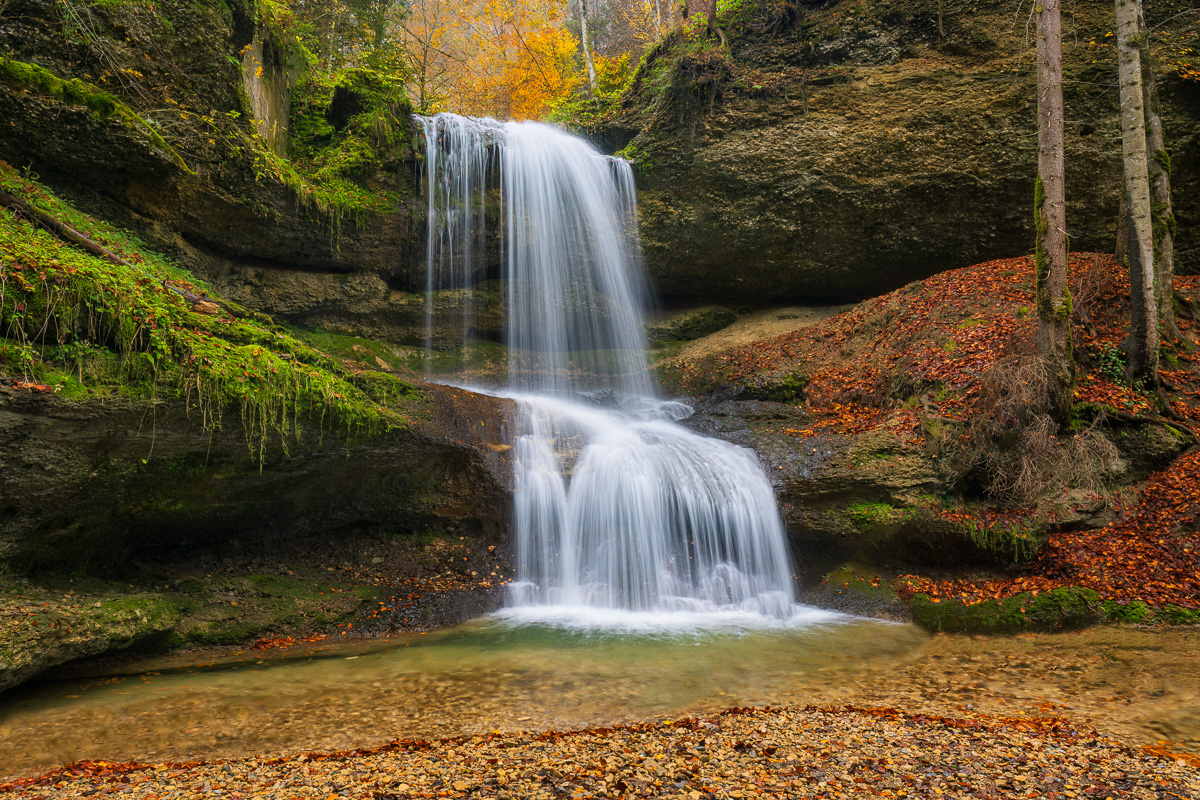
{"x":789,"y":752}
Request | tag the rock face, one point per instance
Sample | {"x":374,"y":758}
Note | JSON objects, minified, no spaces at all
{"x":872,"y":499}
{"x":848,"y":149}
{"x":837,"y":150}
{"x":27,"y":652}
{"x":823,"y":480}
{"x":88,"y":487}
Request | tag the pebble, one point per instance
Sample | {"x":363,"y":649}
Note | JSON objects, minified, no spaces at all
{"x":787,"y":752}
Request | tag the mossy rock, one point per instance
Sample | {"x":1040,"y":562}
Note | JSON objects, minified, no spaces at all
{"x":1139,"y":613}
{"x":780,"y":387}
{"x":1067,"y":608}
{"x":690,"y":325}
{"x":358,"y":91}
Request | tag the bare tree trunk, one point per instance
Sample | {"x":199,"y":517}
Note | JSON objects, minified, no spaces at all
{"x":1162,"y":218}
{"x":1143,"y":349}
{"x":712,"y":21}
{"x":324,"y":26}
{"x":681,"y":14}
{"x":1050,"y":217}
{"x":1121,"y":247}
{"x":587,"y":46}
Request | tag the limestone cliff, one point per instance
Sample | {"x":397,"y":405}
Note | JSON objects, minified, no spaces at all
{"x":843,"y":149}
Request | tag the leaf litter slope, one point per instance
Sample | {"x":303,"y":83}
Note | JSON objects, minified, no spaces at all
{"x":922,"y":353}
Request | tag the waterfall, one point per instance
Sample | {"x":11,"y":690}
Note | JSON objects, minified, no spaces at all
{"x":618,"y":509}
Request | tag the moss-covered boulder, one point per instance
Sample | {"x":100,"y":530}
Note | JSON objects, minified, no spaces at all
{"x":1068,"y":608}
{"x":690,"y":324}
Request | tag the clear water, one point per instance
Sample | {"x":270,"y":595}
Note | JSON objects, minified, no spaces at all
{"x":502,"y":674}
{"x":617,"y":507}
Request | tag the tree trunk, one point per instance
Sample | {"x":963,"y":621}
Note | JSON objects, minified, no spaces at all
{"x":587,"y":46}
{"x":1121,"y":247}
{"x":1143,"y":349}
{"x":379,"y":19}
{"x":324,"y":26}
{"x":712,"y":21}
{"x":1162,"y":218}
{"x":1050,"y":218}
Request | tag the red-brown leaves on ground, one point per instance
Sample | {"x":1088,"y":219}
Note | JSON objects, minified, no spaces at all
{"x":924,"y":352}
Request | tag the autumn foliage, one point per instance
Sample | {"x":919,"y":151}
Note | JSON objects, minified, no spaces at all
{"x":500,"y":58}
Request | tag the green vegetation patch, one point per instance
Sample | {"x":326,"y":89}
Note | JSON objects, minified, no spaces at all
{"x":1068,"y":608}
{"x":343,"y":126}
{"x":1139,"y":613}
{"x":82,"y":326}
{"x":867,"y":516}
{"x":1007,"y":540}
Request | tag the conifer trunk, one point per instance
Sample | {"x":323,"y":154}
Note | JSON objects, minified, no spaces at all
{"x":1050,"y":217}
{"x":1143,"y":347}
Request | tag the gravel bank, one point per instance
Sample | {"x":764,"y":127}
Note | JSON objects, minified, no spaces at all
{"x":784,"y":752}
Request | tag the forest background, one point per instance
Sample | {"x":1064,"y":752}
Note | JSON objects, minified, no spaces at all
{"x":510,"y":59}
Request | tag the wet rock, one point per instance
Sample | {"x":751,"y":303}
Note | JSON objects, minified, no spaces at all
{"x":87,"y":485}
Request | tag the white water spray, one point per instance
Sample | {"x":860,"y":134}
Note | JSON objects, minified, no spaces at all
{"x":618,"y":509}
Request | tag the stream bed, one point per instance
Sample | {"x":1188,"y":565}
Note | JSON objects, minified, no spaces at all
{"x":1139,"y":686}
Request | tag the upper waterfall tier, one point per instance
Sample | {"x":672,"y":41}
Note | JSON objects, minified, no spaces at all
{"x":566,"y":216}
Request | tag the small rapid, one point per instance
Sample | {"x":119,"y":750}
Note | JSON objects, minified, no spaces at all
{"x":621,"y":515}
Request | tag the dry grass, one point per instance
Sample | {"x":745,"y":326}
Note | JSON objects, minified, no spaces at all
{"x":1015,"y":448}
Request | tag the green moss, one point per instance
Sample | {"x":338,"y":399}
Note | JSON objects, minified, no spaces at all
{"x":1068,"y":608}
{"x":1177,"y":615}
{"x":343,"y":127}
{"x":1007,"y":540}
{"x":858,"y":580}
{"x":866,"y":516}
{"x":1133,"y":613}
{"x":781,"y":389}
{"x":120,"y":327}
{"x":1041,"y":258}
{"x":1164,"y":160}
{"x":76,"y":92}
{"x":1063,"y":311}
{"x":638,"y":157}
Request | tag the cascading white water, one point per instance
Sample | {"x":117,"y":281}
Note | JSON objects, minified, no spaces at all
{"x":618,"y":509}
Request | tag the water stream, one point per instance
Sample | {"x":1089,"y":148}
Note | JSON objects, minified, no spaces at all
{"x":479,"y":677}
{"x":1139,"y":686}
